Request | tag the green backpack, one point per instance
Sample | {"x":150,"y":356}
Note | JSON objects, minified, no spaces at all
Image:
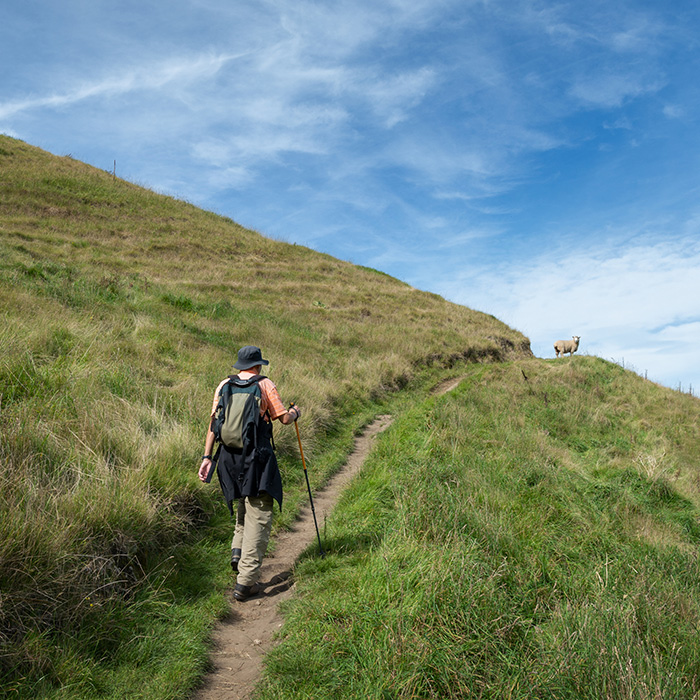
{"x":237,"y":415}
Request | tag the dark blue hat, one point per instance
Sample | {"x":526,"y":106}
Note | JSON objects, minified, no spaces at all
{"x":250,"y":356}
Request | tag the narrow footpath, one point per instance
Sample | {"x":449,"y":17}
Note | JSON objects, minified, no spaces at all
{"x":242,"y":639}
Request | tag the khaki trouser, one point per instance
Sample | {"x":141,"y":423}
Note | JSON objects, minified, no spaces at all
{"x":252,"y":533}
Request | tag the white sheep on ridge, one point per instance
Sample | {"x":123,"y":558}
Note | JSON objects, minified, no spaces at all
{"x":564,"y":346}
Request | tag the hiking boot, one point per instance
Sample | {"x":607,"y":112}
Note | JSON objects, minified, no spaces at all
{"x":235,"y":558}
{"x":241,"y":592}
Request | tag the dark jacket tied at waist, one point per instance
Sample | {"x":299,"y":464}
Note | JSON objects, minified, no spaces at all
{"x":249,"y":471}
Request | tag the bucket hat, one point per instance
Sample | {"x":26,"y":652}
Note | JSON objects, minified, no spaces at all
{"x":250,"y":356}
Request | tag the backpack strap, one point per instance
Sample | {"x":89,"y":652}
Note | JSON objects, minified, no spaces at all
{"x":235,"y":379}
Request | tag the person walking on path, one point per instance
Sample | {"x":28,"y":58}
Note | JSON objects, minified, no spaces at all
{"x":249,"y":475}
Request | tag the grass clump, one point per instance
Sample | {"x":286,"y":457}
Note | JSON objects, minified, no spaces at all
{"x":509,"y":540}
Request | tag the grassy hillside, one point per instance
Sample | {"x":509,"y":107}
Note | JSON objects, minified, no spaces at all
{"x":121,"y":311}
{"x":532,"y":534}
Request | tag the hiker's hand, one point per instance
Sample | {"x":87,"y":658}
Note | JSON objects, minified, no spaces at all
{"x":204,"y":469}
{"x":297,"y":412}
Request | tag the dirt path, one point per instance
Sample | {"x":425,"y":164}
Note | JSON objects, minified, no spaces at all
{"x":446,"y":385}
{"x":242,"y":639}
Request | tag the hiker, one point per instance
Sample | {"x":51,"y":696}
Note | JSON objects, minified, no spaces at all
{"x":248,"y":473}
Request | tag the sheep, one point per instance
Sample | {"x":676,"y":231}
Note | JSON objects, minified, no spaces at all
{"x":564,"y":346}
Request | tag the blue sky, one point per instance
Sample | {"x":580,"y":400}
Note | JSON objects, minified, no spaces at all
{"x":539,"y":161}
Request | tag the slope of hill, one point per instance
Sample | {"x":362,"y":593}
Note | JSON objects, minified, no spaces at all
{"x":122,"y":309}
{"x":533,"y":534}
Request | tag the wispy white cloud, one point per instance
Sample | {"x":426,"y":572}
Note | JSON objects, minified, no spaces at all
{"x":392,"y":98}
{"x":639,"y":34}
{"x":674,"y":111}
{"x":457,"y":241}
{"x":613,"y":89}
{"x":147,"y":78}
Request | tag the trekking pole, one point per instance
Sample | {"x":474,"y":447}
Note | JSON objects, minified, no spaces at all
{"x":308,"y":486}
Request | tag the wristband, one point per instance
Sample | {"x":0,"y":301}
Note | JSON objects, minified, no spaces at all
{"x":207,"y":457}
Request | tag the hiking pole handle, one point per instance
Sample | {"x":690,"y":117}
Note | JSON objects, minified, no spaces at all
{"x":301,"y":450}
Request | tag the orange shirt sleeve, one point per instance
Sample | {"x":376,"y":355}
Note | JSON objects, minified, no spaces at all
{"x":271,"y":400}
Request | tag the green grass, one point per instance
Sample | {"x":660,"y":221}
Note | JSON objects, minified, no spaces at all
{"x":532,"y":534}
{"x":514,"y":539}
{"x":121,"y":311}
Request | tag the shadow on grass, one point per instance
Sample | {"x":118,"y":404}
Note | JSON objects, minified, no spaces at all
{"x":344,"y":545}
